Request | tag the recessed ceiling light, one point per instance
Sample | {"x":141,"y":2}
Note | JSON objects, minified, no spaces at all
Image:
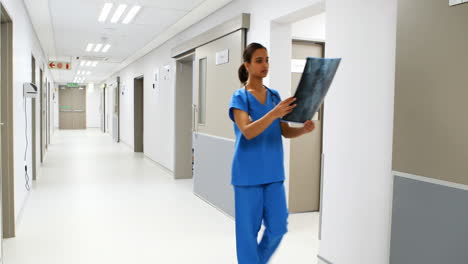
{"x":98,"y":47}
{"x":106,"y":48}
{"x":131,"y":14}
{"x":79,"y":72}
{"x":88,"y":63}
{"x":95,"y":63}
{"x":105,"y":12}
{"x":89,"y":47}
{"x":88,"y":73}
{"x":82,"y":63}
{"x":118,"y":13}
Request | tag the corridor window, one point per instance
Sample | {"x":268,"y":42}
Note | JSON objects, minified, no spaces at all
{"x":202,"y":91}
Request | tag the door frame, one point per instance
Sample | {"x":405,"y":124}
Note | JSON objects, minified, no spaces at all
{"x":103,"y":109}
{"x":184,"y":110}
{"x":8,"y":196}
{"x":138,"y":124}
{"x":42,"y":109}
{"x":34,"y":120}
{"x":48,"y":117}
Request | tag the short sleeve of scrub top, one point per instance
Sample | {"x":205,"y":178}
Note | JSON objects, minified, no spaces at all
{"x":258,"y":160}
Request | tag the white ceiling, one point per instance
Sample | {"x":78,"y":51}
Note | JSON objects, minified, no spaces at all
{"x":65,"y":27}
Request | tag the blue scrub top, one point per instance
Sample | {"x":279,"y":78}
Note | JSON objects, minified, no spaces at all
{"x":259,"y":160}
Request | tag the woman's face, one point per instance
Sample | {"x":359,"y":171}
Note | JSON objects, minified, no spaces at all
{"x":258,"y":66}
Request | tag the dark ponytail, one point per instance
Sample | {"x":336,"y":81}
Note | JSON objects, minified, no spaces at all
{"x":247,"y":57}
{"x":243,"y":74}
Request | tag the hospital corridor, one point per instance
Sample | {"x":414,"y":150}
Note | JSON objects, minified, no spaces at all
{"x":233,"y":132}
{"x":99,"y":202}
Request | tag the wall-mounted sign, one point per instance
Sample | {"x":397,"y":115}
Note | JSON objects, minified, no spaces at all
{"x":297,"y":66}
{"x":457,"y":2}
{"x":222,"y":57}
{"x":72,"y":84}
{"x":59,"y":65}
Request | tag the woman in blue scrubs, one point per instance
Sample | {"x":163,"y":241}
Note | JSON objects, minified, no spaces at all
{"x":257,"y":168}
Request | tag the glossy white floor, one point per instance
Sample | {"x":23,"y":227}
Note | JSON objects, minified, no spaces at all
{"x":98,"y":202}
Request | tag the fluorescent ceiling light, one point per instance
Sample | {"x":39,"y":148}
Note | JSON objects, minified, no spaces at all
{"x":88,"y":63}
{"x":82,"y":63}
{"x":131,"y":14}
{"x":88,"y":73}
{"x":105,"y":12}
{"x":98,"y":47}
{"x":106,"y":48}
{"x":118,"y":13}
{"x":79,"y":72}
{"x":95,"y":63}
{"x":89,"y":47}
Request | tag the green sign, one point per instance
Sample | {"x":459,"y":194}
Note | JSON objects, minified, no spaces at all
{"x":65,"y":107}
{"x":72,"y":84}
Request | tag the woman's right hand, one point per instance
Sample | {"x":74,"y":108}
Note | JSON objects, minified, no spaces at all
{"x":284,"y":107}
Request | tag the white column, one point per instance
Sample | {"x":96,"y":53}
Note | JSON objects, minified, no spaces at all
{"x":358,"y":129}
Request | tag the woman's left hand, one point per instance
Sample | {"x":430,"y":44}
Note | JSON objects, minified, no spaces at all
{"x":309,"y":126}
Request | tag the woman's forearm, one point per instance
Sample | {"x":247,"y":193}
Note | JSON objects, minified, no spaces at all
{"x":292,"y":132}
{"x":254,"y":129}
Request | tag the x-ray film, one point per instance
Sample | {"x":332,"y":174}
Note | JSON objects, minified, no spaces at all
{"x":315,"y":81}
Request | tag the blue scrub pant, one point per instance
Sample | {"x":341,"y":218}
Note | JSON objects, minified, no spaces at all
{"x":253,"y":204}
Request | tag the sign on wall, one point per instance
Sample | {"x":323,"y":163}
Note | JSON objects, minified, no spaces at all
{"x":222,"y":57}
{"x":58,"y":65}
{"x":297,"y":66}
{"x":457,"y":2}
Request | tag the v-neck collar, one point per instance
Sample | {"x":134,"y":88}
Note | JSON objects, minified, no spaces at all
{"x":256,"y":100}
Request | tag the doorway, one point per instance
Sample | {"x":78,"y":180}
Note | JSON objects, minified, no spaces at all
{"x":33,"y":121}
{"x":115,"y":110}
{"x":138,"y":114}
{"x":295,"y":37}
{"x":48,"y":116}
{"x":6,"y":127}
{"x":103,"y":109}
{"x":43,"y":100}
{"x":184,"y":118}
{"x":305,"y":151}
{"x":72,"y":105}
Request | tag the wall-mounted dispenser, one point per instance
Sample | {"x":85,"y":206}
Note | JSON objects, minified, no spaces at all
{"x":29,"y":90}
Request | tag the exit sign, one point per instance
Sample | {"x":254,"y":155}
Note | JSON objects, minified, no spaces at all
{"x":59,"y":65}
{"x":72,"y":85}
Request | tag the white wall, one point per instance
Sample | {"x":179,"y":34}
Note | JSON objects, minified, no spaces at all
{"x":312,"y":28}
{"x":93,"y":118}
{"x":159,"y":104}
{"x":358,"y":127}
{"x":25,"y":43}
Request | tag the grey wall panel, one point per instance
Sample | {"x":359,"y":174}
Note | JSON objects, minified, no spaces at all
{"x":430,"y":223}
{"x":212,"y":171}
